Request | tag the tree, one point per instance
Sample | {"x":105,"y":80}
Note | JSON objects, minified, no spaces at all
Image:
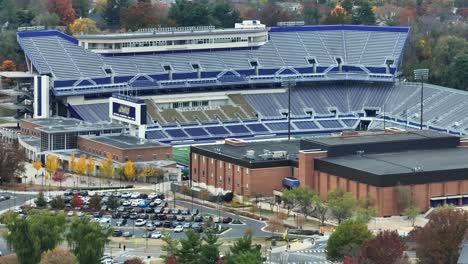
{"x":134,"y":260}
{"x":95,"y":202}
{"x":364,"y":14}
{"x":152,"y":171}
{"x":106,"y":168}
{"x":11,"y":160}
{"x":81,"y":7}
{"x":338,"y":15}
{"x":31,"y":236}
{"x":46,"y":19}
{"x":72,"y":166}
{"x":8,"y":10}
{"x":51,"y":164}
{"x":83,"y":26}
{"x":77,"y":201}
{"x":112,"y":10}
{"x":411,"y":213}
{"x":242,"y":251}
{"x":404,"y":198}
{"x":310,"y":13}
{"x":64,"y":10}
{"x":58,"y":255}
{"x":347,"y":237}
{"x":272,"y":13}
{"x":113,"y":202}
{"x":170,"y":246}
{"x":320,"y":210}
{"x":386,"y":248}
{"x":190,"y":13}
{"x":37,"y":165}
{"x":439,"y":240}
{"x":407,"y":15}
{"x":341,"y":204}
{"x":87,"y":240}
{"x":57,"y":203}
{"x":459,"y":75}
{"x":365,"y":210}
{"x":81,"y":165}
{"x":209,"y":252}
{"x":40,"y":201}
{"x":8,"y":65}
{"x":129,"y":170}
{"x":144,"y":15}
{"x":59,"y":176}
{"x":90,"y":166}
{"x":189,"y":252}
{"x":225,"y":14}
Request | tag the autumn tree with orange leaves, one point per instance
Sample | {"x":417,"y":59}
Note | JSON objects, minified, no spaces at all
{"x":144,"y":15}
{"x":64,"y":10}
{"x":338,"y":15}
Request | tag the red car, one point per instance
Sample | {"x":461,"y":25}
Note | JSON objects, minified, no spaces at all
{"x":227,"y":220}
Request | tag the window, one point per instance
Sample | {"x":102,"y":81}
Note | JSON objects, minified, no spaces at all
{"x":194,"y":170}
{"x":220,"y":178}
{"x":155,"y":157}
{"x":253,"y":63}
{"x":203,"y":173}
{"x":195,"y":66}
{"x":229,"y":180}
{"x":238,"y":185}
{"x":246,"y":185}
{"x":138,"y":157}
{"x":221,"y":164}
{"x":211,"y":176}
{"x":238,"y":168}
{"x":229,"y":166}
{"x":168,"y":156}
{"x":126,"y":158}
{"x":246,"y":171}
{"x":195,"y":156}
{"x":203,"y":159}
{"x":212,"y":161}
{"x":167,"y":68}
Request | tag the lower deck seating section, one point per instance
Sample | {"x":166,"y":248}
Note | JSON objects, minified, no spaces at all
{"x":196,"y":132}
{"x":257,"y":128}
{"x":238,"y":129}
{"x":306,"y":125}
{"x":330,"y":123}
{"x":217,"y":130}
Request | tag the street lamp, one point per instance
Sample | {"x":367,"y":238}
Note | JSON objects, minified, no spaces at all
{"x":289,"y":82}
{"x":421,"y":75}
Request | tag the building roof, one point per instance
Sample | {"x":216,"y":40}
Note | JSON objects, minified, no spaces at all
{"x":407,"y":167}
{"x":124,"y":141}
{"x":55,"y":121}
{"x":237,"y":154}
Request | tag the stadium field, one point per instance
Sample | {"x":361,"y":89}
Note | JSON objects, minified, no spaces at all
{"x":181,"y":154}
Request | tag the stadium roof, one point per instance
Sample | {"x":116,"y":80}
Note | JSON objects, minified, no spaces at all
{"x":125,"y":141}
{"x":408,"y":167}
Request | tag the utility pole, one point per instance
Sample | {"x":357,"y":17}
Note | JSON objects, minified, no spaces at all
{"x":421,"y":75}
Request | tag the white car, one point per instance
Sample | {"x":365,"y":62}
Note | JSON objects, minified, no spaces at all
{"x":217,"y":219}
{"x":135,"y":195}
{"x":135,"y":203}
{"x":70,"y":213}
{"x":126,"y":203}
{"x":80,"y":214}
{"x":140,"y":222}
{"x":158,"y":201}
{"x":126,"y":195}
{"x":179,"y":229}
{"x":152,"y":196}
{"x":156,"y":234}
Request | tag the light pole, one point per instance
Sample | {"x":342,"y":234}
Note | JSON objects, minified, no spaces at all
{"x":289,"y":82}
{"x":421,"y":75}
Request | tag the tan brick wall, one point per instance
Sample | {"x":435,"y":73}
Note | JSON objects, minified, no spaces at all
{"x":307,"y":167}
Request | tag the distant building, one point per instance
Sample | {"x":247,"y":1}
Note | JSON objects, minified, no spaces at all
{"x":433,"y":165}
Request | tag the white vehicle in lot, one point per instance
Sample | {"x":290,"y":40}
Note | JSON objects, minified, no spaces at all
{"x":70,"y":213}
{"x":135,"y":195}
{"x":158,"y":201}
{"x":80,"y":214}
{"x":105,"y":222}
{"x":179,"y":229}
{"x":217,"y":219}
{"x":126,"y":203}
{"x":152,"y":196}
{"x":135,"y":203}
{"x":140,"y":222}
{"x":156,"y":234}
{"x":126,"y":195}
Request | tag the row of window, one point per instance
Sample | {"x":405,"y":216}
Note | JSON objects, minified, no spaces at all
{"x":189,"y":104}
{"x":221,"y":179}
{"x":116,"y":157}
{"x":161,"y":43}
{"x":195,"y":156}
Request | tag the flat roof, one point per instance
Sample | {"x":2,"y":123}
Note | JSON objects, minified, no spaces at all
{"x":55,"y":121}
{"x":125,"y":141}
{"x":374,"y":137}
{"x":238,"y":152}
{"x":406,"y":167}
{"x":80,"y":127}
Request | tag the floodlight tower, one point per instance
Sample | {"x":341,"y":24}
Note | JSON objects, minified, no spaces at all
{"x":421,"y":75}
{"x":289,"y":83}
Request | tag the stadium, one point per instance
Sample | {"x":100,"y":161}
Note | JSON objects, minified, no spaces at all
{"x":202,"y":84}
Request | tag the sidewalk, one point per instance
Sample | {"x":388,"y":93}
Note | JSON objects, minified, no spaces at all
{"x":295,"y":246}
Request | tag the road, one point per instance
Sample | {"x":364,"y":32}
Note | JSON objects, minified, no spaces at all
{"x":313,"y":255}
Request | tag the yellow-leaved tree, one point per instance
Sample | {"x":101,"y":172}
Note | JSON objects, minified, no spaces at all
{"x":37,"y":165}
{"x":151,"y":171}
{"x":129,"y":170}
{"x":73,"y":163}
{"x":83,"y":25}
{"x":51,"y":165}
{"x":90,"y":167}
{"x":81,"y":165}
{"x":106,"y":167}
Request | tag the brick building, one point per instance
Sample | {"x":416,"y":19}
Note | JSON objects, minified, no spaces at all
{"x":434,"y":166}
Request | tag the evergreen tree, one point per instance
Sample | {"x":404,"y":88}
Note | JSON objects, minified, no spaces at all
{"x":210,"y":249}
{"x":189,"y":252}
{"x":363,"y":14}
{"x":112,"y":11}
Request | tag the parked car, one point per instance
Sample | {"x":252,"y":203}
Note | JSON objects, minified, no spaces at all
{"x":121,"y":222}
{"x":133,"y":216}
{"x":125,"y":215}
{"x":70,"y":213}
{"x":127,"y":234}
{"x":152,"y":196}
{"x":180,"y":218}
{"x":197,"y":227}
{"x":198,"y":219}
{"x":117,"y":233}
{"x":217,"y":219}
{"x":156,"y":234}
{"x":195,"y":212}
{"x":167,"y":224}
{"x":97,"y":214}
{"x":179,"y":229}
{"x":227,"y":220}
{"x":125,"y":195}
{"x":135,"y":195}
{"x":187,"y":225}
{"x":140,"y":222}
{"x":171,"y":217}
{"x":158,"y":224}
